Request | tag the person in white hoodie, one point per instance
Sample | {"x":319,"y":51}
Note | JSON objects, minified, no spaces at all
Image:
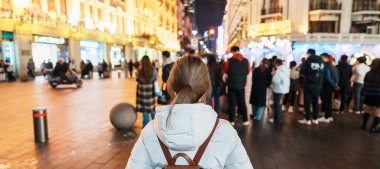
{"x":186,"y":124}
{"x":280,"y":86}
{"x":358,"y":73}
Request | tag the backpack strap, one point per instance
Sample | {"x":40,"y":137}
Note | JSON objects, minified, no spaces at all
{"x":203,"y":147}
{"x":166,"y":151}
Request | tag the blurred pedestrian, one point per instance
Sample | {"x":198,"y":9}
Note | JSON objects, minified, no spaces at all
{"x":3,"y":75}
{"x":330,"y":84}
{"x":371,"y":93}
{"x":345,"y":73}
{"x":358,"y":73}
{"x":216,"y":78}
{"x":31,"y":67}
{"x":130,"y":66}
{"x":260,"y":82}
{"x":312,"y":73}
{"x":290,"y":98}
{"x":280,"y":86}
{"x":237,"y":69}
{"x":9,"y":70}
{"x":168,"y":65}
{"x":72,"y":66}
{"x":145,"y":100}
{"x":300,"y":90}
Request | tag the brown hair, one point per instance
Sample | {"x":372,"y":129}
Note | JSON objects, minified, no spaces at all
{"x":189,"y":82}
{"x":146,"y":68}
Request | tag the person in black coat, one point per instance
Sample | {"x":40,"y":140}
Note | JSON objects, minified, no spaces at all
{"x":260,"y":82}
{"x":216,"y":78}
{"x":371,"y":93}
{"x":345,"y":73}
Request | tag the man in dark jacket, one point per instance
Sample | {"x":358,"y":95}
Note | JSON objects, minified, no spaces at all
{"x":165,"y":72}
{"x":345,"y":73}
{"x":237,"y":69}
{"x":330,"y":84}
{"x":312,"y":73}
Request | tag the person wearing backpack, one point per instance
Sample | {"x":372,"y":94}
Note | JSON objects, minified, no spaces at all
{"x":188,"y":126}
{"x":330,"y":84}
{"x":312,"y":73}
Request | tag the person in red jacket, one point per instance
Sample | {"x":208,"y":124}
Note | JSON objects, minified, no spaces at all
{"x":237,"y":69}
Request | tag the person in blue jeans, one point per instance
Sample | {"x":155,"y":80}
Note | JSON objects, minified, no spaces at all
{"x":280,"y":86}
{"x":260,"y":82}
{"x":145,"y":98}
{"x":216,"y":77}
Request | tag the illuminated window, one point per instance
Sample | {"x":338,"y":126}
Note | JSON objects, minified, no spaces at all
{"x":91,"y":12}
{"x":63,"y":7}
{"x":36,"y":2}
{"x":100,"y":17}
{"x":51,"y":5}
{"x":82,"y":10}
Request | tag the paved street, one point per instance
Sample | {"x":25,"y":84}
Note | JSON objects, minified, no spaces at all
{"x":81,"y":135}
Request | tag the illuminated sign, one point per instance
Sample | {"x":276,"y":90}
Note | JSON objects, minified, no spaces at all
{"x":89,"y":44}
{"x":48,"y":39}
{"x":273,"y":28}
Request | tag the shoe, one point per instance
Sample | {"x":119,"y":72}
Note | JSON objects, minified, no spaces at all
{"x":350,"y":111}
{"x":314,"y":122}
{"x":324,"y":120}
{"x":341,"y":112}
{"x":374,"y":130}
{"x":304,"y":121}
{"x":232,"y":123}
{"x":271,"y":120}
{"x":331,"y":119}
{"x":246,"y":123}
{"x":358,"y":112}
{"x":283,"y":108}
{"x":291,"y":109}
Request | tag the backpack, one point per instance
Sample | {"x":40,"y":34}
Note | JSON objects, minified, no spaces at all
{"x":193,"y":164}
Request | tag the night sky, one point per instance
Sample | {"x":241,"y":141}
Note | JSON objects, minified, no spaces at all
{"x":209,"y":13}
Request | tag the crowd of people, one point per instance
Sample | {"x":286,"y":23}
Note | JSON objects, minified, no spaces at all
{"x":6,"y":71}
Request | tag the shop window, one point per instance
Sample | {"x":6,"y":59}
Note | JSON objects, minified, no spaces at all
{"x":100,"y":16}
{"x":63,"y":7}
{"x":360,"y":5}
{"x":51,"y":5}
{"x":322,"y":27}
{"x":82,"y":10}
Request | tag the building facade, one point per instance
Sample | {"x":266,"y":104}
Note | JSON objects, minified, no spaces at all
{"x":89,"y":30}
{"x":287,"y":28}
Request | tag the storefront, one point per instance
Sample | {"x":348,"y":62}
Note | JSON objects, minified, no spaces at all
{"x":46,"y":48}
{"x":116,"y":55}
{"x":92,"y":51}
{"x":142,"y":51}
{"x":7,"y":51}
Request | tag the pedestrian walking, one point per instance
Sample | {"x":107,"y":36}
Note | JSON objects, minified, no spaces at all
{"x":216,"y":77}
{"x":145,"y":100}
{"x":237,"y":69}
{"x":312,"y":73}
{"x":187,"y":124}
{"x":330,"y":84}
{"x":290,"y":98}
{"x":9,"y":69}
{"x":3,"y":74}
{"x":345,"y":73}
{"x":130,"y":66}
{"x":260,"y":82}
{"x":31,"y":67}
{"x":280,"y":86}
{"x":168,"y":65}
{"x":358,"y":73}
{"x":371,"y":93}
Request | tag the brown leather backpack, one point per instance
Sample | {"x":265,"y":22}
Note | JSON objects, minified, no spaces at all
{"x":193,"y":164}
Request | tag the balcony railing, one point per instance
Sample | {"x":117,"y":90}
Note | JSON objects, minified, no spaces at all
{"x":324,"y":5}
{"x":365,"y":5}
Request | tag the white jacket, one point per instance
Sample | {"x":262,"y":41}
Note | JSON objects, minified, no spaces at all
{"x":281,"y":80}
{"x":188,"y":128}
{"x":358,"y":73}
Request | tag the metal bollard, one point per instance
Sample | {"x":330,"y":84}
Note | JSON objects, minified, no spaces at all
{"x":40,"y":125}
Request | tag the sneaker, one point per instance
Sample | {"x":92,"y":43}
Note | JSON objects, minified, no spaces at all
{"x":246,"y":123}
{"x":271,"y":120}
{"x":341,"y":112}
{"x":291,"y":109}
{"x":314,"y":122}
{"x":331,"y":119}
{"x":350,"y":111}
{"x":323,"y":120}
{"x":283,"y":108}
{"x":304,"y":121}
{"x":358,"y":112}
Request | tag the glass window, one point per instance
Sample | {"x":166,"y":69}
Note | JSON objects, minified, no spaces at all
{"x":63,"y":7}
{"x":51,"y":5}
